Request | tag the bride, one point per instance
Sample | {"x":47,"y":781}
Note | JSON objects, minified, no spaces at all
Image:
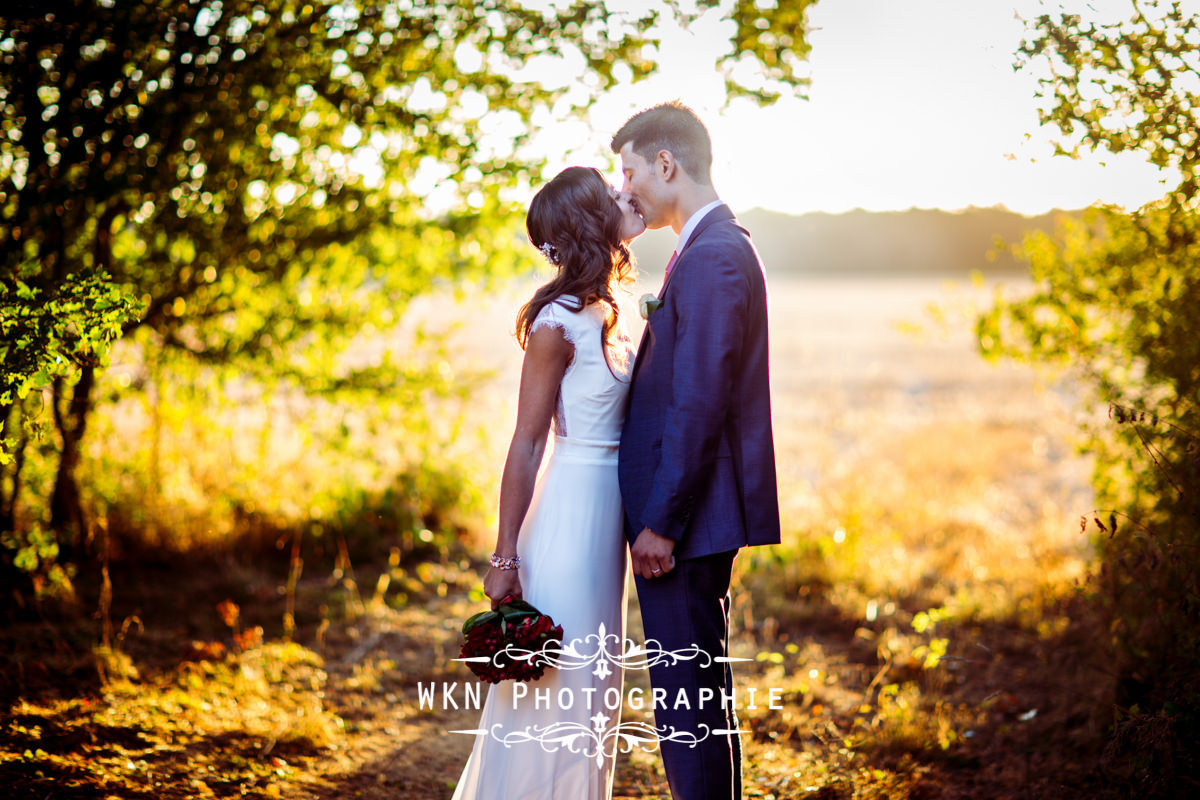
{"x":560,"y":544}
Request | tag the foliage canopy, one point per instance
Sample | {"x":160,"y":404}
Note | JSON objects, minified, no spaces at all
{"x":1116,"y":298}
{"x":250,"y":184}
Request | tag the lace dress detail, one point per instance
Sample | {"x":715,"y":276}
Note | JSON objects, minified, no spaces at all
{"x":572,"y":568}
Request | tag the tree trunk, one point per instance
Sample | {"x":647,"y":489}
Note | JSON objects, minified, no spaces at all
{"x":66,"y":511}
{"x":8,"y":494}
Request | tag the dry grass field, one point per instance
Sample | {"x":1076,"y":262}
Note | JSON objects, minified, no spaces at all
{"x":915,"y":614}
{"x":920,"y":618}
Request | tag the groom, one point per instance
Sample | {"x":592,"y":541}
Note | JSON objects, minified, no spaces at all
{"x":697,"y":460}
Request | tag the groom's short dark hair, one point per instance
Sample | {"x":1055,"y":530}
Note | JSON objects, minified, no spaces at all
{"x":670,"y":126}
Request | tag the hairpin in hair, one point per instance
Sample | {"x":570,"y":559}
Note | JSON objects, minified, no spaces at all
{"x":550,"y":252}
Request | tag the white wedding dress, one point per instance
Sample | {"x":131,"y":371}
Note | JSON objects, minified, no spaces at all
{"x":550,"y":742}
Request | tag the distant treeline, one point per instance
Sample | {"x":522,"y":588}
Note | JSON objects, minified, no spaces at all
{"x":917,"y":240}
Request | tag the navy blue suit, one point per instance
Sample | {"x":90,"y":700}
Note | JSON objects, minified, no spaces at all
{"x":697,"y":465}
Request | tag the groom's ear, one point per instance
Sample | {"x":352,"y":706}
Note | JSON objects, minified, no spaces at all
{"x":664,"y":164}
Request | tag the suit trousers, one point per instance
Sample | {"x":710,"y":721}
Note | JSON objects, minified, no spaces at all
{"x":690,"y":606}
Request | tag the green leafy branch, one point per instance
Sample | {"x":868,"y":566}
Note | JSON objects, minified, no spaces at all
{"x":51,"y":333}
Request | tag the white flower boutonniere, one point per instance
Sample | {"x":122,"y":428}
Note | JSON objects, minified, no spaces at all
{"x":648,"y":304}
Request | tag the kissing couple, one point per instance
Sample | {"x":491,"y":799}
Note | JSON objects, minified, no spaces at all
{"x":666,"y":452}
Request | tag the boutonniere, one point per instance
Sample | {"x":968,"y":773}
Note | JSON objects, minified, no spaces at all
{"x":647,"y":305}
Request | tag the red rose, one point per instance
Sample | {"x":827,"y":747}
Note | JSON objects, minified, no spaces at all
{"x":516,"y":624}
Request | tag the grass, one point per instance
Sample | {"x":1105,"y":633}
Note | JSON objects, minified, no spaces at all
{"x":187,"y":704}
{"x":923,"y":618}
{"x":911,"y":704}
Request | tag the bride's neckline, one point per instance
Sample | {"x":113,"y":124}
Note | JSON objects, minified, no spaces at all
{"x":570,"y":301}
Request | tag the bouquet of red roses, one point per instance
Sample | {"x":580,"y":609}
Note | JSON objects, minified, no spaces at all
{"x":507,"y":643}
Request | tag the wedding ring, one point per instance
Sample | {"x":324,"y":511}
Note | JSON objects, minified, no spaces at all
{"x":655,"y":571}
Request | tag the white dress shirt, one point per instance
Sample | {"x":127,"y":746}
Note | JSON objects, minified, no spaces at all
{"x":690,"y":225}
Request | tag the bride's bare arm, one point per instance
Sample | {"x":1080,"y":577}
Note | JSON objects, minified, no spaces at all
{"x":547,"y":355}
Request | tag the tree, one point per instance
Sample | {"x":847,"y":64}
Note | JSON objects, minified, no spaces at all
{"x":1116,"y":298}
{"x":46,"y":339}
{"x":255,"y":174}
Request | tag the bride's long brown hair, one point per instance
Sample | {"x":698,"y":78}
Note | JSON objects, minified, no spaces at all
{"x":575,"y":222}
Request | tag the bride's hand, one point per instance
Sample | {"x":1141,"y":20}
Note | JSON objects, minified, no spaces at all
{"x":499,"y":584}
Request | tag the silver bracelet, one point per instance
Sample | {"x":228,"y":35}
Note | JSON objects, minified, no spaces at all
{"x":504,"y":563}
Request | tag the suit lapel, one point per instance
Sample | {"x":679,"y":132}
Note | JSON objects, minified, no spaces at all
{"x":721,"y":212}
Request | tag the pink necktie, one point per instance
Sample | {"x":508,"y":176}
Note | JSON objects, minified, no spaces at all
{"x":670,"y":264}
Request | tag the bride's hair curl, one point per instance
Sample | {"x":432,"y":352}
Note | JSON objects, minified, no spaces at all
{"x":575,"y":222}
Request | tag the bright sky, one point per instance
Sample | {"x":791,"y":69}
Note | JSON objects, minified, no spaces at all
{"x":912,"y":103}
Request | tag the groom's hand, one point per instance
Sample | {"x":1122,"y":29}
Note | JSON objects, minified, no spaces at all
{"x":652,"y":554}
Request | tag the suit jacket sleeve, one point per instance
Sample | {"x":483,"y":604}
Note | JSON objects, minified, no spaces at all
{"x":711,"y":303}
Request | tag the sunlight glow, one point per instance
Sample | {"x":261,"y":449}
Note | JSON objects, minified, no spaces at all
{"x":912,"y":104}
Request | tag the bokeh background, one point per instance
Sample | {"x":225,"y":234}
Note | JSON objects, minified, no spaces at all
{"x":261,"y":266}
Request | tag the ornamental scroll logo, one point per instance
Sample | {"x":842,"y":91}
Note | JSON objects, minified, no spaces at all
{"x":596,"y":742}
{"x":602,"y":652}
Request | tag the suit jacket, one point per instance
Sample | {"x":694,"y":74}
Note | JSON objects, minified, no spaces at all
{"x":697,"y":455}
